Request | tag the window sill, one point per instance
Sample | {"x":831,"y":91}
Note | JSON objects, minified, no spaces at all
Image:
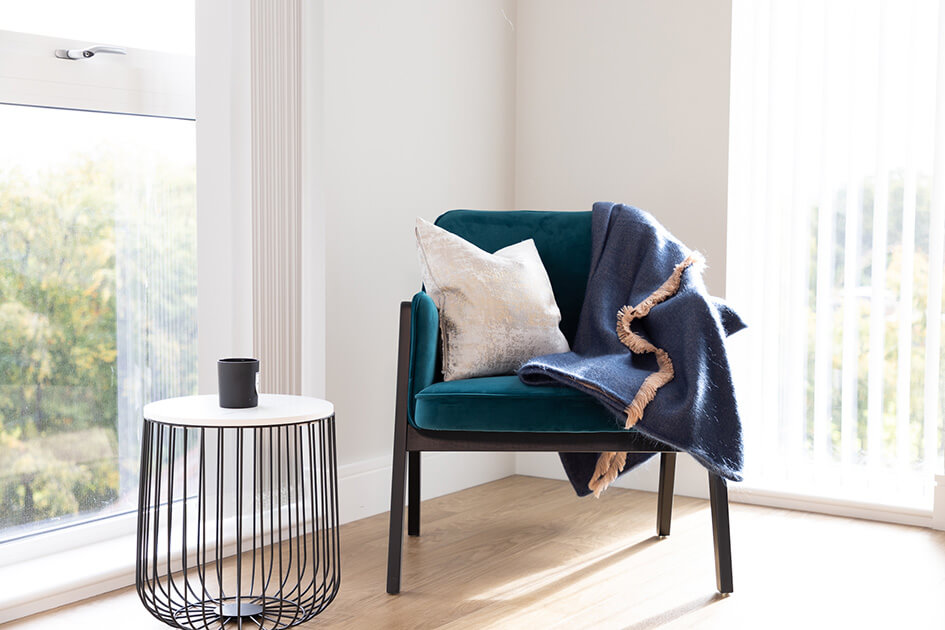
{"x":65,"y":576}
{"x":825,"y":504}
{"x":39,"y":584}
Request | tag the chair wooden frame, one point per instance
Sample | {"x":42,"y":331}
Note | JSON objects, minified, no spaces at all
{"x":409,"y":442}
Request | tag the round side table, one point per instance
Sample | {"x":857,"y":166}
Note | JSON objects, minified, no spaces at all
{"x":238,"y":512}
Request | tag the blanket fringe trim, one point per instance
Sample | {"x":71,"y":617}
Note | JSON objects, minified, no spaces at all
{"x":610,"y":464}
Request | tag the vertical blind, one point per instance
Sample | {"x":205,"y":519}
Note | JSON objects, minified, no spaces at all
{"x":836,"y":231}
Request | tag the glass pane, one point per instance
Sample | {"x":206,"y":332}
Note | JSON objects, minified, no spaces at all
{"x":98,"y":298}
{"x":167,"y":26}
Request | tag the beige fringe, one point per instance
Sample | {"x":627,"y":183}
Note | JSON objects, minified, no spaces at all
{"x":610,"y":464}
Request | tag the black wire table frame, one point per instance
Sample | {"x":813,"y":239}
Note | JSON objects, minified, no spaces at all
{"x":238,"y":525}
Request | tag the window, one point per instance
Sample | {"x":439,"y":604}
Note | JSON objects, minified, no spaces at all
{"x":98,"y":284}
{"x":836,"y":231}
{"x":166,"y":26}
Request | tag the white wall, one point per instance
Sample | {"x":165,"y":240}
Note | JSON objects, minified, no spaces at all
{"x":224,"y":223}
{"x":313,"y":201}
{"x":419,"y":108}
{"x":627,"y":100}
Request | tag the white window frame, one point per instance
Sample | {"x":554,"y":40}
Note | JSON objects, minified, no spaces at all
{"x":142,"y":82}
{"x":92,"y":557}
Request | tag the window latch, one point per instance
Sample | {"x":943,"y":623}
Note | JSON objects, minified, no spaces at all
{"x":86,"y":53}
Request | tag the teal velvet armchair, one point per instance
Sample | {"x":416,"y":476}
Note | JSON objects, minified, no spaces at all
{"x":499,"y":413}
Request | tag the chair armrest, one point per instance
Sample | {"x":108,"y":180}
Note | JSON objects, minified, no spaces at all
{"x":424,"y":334}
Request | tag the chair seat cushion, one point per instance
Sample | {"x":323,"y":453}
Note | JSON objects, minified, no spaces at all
{"x":504,"y":403}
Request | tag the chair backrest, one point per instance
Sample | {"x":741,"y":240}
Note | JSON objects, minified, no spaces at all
{"x":563,"y":240}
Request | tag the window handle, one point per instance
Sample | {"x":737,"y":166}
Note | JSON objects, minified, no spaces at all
{"x":80,"y":53}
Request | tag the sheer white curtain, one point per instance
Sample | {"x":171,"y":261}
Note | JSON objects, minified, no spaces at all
{"x":836,"y":229}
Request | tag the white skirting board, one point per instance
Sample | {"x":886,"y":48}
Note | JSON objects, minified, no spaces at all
{"x":364,"y":487}
{"x":364,"y":490}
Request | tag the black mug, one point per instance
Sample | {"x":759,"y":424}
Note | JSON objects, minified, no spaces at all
{"x":237,"y":383}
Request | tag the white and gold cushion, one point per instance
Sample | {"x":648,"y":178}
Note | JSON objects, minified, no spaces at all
{"x":497,"y":311}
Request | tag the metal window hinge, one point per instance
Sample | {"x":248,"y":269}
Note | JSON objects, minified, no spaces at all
{"x":80,"y":53}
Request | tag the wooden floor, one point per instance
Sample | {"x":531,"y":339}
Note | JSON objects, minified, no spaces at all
{"x":526,"y":553}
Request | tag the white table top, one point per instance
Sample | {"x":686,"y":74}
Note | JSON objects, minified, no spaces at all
{"x":205,"y":411}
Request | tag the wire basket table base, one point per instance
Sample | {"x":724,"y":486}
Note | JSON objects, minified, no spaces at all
{"x":238,"y":526}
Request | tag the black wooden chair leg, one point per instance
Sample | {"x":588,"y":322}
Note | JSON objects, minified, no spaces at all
{"x":396,"y":541}
{"x":398,"y":481}
{"x":413,"y":493}
{"x":718,"y":501}
{"x":664,"y":506}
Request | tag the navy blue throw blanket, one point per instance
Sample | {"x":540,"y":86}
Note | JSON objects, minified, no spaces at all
{"x":650,"y":346}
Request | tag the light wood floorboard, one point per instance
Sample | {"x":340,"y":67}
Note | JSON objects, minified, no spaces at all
{"x":526,"y":553}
